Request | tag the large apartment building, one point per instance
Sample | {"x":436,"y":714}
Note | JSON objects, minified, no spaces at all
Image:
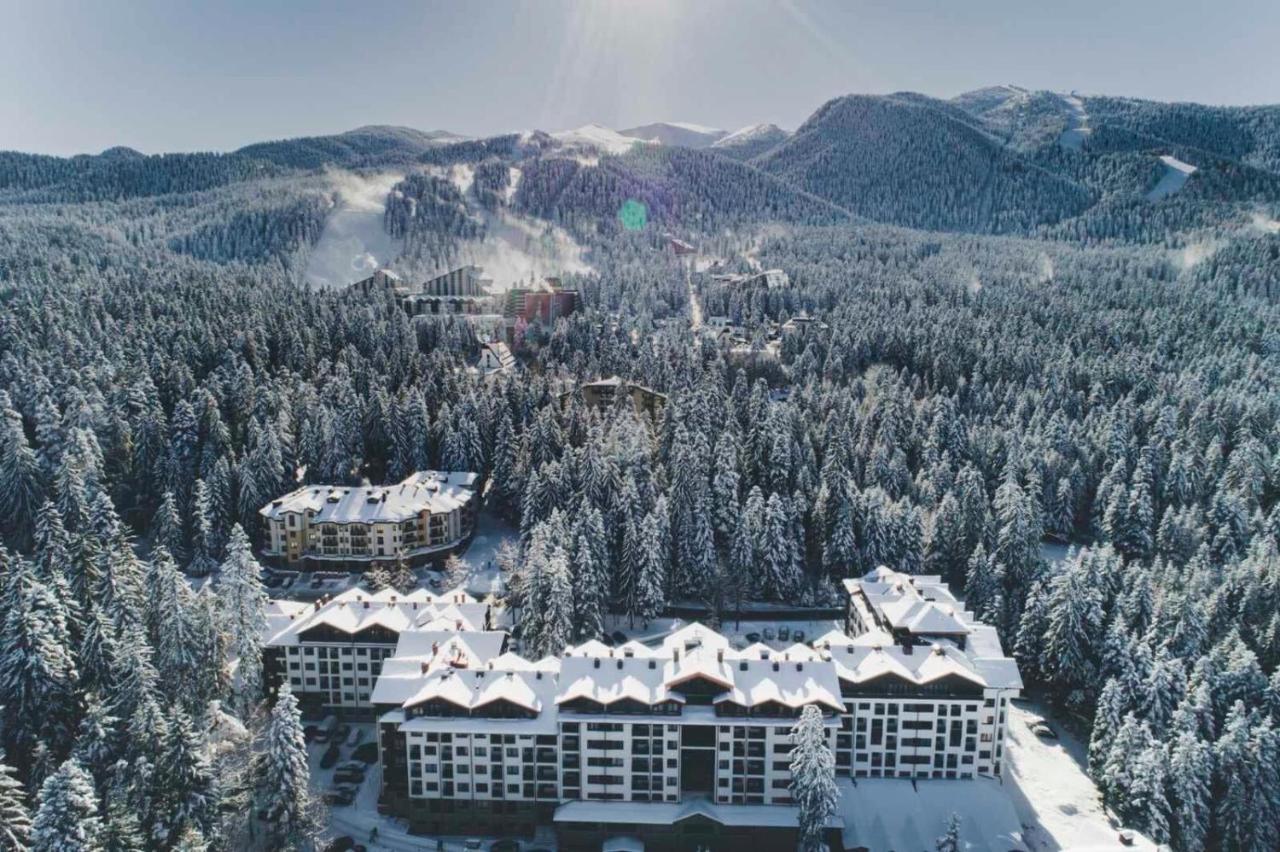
{"x":686,"y":744}
{"x":424,"y":517}
{"x":332,"y":652}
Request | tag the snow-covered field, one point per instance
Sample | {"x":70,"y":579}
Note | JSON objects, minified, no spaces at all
{"x":353,"y":242}
{"x":1056,"y":801}
{"x":602,"y":138}
{"x":1174,"y":178}
{"x":491,"y":532}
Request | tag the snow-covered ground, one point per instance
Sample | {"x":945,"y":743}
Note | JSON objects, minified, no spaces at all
{"x":1174,"y":178}
{"x":1056,"y":801}
{"x":354,"y":241}
{"x":885,"y":814}
{"x":1078,"y":129}
{"x":744,"y":134}
{"x":491,"y":532}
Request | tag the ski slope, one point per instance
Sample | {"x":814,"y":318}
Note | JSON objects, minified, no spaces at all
{"x":1174,"y":178}
{"x":354,"y":242}
{"x":1078,"y":129}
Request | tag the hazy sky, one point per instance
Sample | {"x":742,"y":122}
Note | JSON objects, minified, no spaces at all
{"x":172,"y":75}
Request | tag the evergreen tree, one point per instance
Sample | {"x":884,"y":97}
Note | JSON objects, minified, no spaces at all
{"x":15,"y":816}
{"x":67,"y":818}
{"x":813,"y":779}
{"x":950,"y":842}
{"x":283,"y":777}
{"x":243,"y":603}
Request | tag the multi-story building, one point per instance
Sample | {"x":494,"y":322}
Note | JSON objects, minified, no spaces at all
{"x":603,"y":741}
{"x":424,"y":517}
{"x":332,"y":652}
{"x":926,"y":687}
{"x":604,"y":393}
{"x":687,"y":744}
{"x":544,"y":301}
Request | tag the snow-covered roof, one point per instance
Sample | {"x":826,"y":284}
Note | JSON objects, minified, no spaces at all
{"x":430,"y":491}
{"x":355,"y":610}
{"x":896,"y":813}
{"x":916,"y":629}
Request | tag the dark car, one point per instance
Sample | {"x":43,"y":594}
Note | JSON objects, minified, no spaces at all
{"x":753,"y":638}
{"x":309,"y":733}
{"x":331,"y":755}
{"x":339,"y":797}
{"x":366,"y":753}
{"x":348,"y":776}
{"x":618,"y":637}
{"x":341,"y":844}
{"x":505,"y":845}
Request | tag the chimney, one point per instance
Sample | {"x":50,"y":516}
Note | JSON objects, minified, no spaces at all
{"x":595,"y":664}
{"x":720,"y":656}
{"x":424,"y":667}
{"x":775,"y":665}
{"x":366,"y":604}
{"x":619,"y":665}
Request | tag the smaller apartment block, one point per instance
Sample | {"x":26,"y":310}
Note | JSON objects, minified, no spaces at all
{"x":424,"y":517}
{"x":332,"y":652}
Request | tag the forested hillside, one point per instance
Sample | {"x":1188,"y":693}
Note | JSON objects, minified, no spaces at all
{"x":1108,"y":378}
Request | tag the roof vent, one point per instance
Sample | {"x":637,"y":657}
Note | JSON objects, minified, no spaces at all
{"x":799,"y":667}
{"x":742,"y":666}
{"x":619,"y":665}
{"x":596,"y":663}
{"x":653,"y":664}
{"x":775,"y":665}
{"x":366,"y":604}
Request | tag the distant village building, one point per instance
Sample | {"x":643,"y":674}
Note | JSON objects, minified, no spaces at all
{"x":771,"y":278}
{"x":605,"y":392}
{"x":544,"y":302}
{"x":424,"y":517}
{"x":381,"y":281}
{"x":801,"y":323}
{"x":496,"y":357}
{"x":678,"y":247}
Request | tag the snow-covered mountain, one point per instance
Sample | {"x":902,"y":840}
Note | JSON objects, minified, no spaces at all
{"x":595,"y":136}
{"x":750,"y":141}
{"x":680,"y":133}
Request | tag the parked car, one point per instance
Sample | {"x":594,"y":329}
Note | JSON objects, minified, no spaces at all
{"x":348,"y":776}
{"x":353,"y":738}
{"x":330,"y":756}
{"x":349,"y":766}
{"x":472,"y":843}
{"x":309,"y":733}
{"x":753,"y":638}
{"x":769,"y":634}
{"x":798,"y":636}
{"x":784,"y":633}
{"x":325,"y":729}
{"x":1042,"y":730}
{"x":366,"y":753}
{"x":618,"y":637}
{"x":345,"y":843}
{"x":340,"y":733}
{"x":505,"y":845}
{"x":339,"y":797}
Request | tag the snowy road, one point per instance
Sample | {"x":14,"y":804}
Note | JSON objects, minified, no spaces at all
{"x":695,"y":307}
{"x":1057,"y":802}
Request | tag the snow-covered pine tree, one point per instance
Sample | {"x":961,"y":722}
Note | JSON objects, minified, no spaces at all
{"x":813,"y":779}
{"x":282,"y":775}
{"x":15,"y":815}
{"x":67,"y":818}
{"x":167,"y":529}
{"x":950,"y":842}
{"x":243,"y":603}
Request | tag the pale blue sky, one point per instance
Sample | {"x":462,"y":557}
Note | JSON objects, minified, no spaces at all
{"x":173,"y":75}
